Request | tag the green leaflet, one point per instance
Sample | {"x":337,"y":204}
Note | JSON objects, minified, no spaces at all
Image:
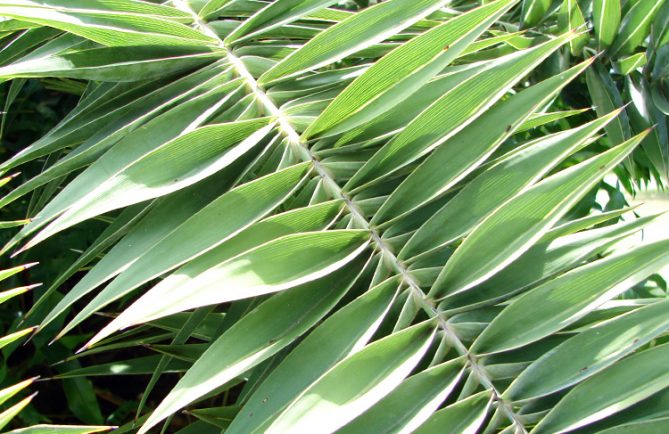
{"x":312,"y":218}
{"x":570,"y":18}
{"x":342,"y":334}
{"x":398,"y":117}
{"x":188,"y":240}
{"x":7,"y":415}
{"x":170,"y":167}
{"x":359,"y":31}
{"x":127,"y":219}
{"x":590,"y":352}
{"x":262,"y":270}
{"x":9,"y":392}
{"x":25,"y":41}
{"x":356,"y":383}
{"x":104,"y":26}
{"x":452,"y":112}
{"x":211,"y":6}
{"x":606,"y":97}
{"x":643,"y":114}
{"x":136,"y":366}
{"x":552,"y":254}
{"x":521,"y":221}
{"x":13,"y":337}
{"x":117,"y":108}
{"x":162,"y":219}
{"x":552,"y":306}
{"x":533,"y":11}
{"x":631,"y":63}
{"x":61,"y":429}
{"x":404,"y":70}
{"x":11,"y":293}
{"x":15,"y":88}
{"x":622,"y":385}
{"x":606,"y":20}
{"x":257,"y":336}
{"x":12,"y":224}
{"x":539,"y":119}
{"x":424,"y":391}
{"x":111,"y":63}
{"x":498,"y":184}
{"x":635,"y":27}
{"x":465,"y":416}
{"x":6,"y":274}
{"x":272,"y":16}
{"x":120,"y":7}
{"x":155,"y":134}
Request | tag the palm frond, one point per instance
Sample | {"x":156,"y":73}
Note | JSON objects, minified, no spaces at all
{"x":359,"y":220}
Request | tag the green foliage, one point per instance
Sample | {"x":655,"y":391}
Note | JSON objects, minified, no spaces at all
{"x":344,"y":216}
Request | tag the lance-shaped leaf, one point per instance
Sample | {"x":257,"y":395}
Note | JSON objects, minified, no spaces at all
{"x":9,"y":392}
{"x":558,"y":251}
{"x":116,"y":108}
{"x":398,"y":117}
{"x":11,"y":293}
{"x":351,"y":35}
{"x":465,"y":416}
{"x":13,"y":337}
{"x":635,"y":27}
{"x":203,"y":231}
{"x":533,"y":11}
{"x":411,"y":403}
{"x":612,"y":390}
{"x":22,"y":42}
{"x":275,"y":266}
{"x":452,"y":112}
{"x":172,"y":166}
{"x":157,"y":133}
{"x":6,"y":274}
{"x":538,"y":119}
{"x":162,"y":219}
{"x":356,"y":383}
{"x":557,"y":303}
{"x":111,"y":63}
{"x":136,"y":366}
{"x":272,"y":16}
{"x":308,"y":219}
{"x":404,"y":70}
{"x":643,"y":114}
{"x":104,"y":26}
{"x":127,"y":7}
{"x":254,"y":338}
{"x":606,"y":19}
{"x":345,"y":332}
{"x":606,"y":98}
{"x":590,"y":352}
{"x":498,"y":184}
{"x":127,"y":219}
{"x":209,"y":7}
{"x":571,"y":18}
{"x":9,"y":414}
{"x":62,"y":429}
{"x":523,"y":220}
